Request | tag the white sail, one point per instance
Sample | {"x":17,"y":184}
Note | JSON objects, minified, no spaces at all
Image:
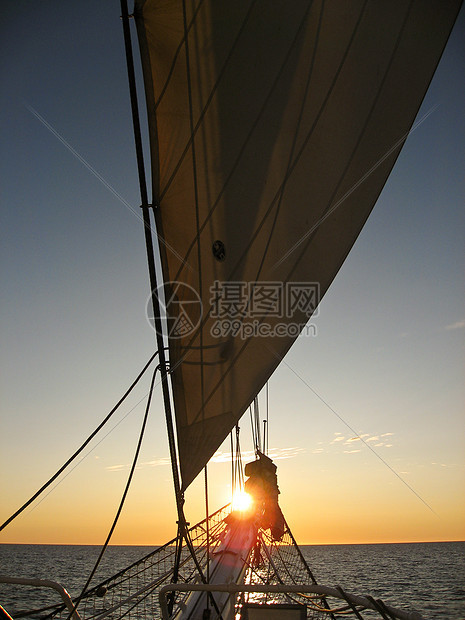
{"x":273,"y":128}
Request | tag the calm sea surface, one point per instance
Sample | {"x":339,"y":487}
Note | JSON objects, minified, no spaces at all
{"x":428,"y":577}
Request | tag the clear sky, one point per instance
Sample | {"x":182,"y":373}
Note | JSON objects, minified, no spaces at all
{"x":386,"y":363}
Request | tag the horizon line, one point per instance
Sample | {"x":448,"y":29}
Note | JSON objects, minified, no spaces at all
{"x":300,"y":544}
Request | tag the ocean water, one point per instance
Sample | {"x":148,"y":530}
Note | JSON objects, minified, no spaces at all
{"x":427,"y":577}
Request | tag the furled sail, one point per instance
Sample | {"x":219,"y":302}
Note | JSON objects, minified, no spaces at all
{"x":273,"y":128}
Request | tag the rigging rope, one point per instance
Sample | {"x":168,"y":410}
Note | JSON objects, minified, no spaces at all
{"x":232,"y":465}
{"x":81,"y":448}
{"x":123,"y":498}
{"x":255,"y":424}
{"x":254,"y":430}
{"x":207,"y":525}
{"x":237,"y":471}
{"x":267,"y":443}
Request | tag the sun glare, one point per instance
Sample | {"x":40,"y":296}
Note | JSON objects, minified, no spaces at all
{"x":242,"y":501}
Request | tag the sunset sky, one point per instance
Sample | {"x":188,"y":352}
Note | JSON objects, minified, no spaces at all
{"x":367,"y":414}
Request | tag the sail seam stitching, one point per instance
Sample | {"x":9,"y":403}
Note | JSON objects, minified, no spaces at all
{"x":207,"y":104}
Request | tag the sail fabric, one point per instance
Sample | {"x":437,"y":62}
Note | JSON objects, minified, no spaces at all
{"x":273,"y":128}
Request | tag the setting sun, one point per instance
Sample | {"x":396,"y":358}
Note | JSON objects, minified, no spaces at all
{"x":242,"y":501}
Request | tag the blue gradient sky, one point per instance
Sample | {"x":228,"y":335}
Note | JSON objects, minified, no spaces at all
{"x":386,"y":364}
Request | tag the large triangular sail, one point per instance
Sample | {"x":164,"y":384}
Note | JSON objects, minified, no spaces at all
{"x":273,"y":128}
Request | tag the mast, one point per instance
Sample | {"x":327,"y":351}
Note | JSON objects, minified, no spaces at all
{"x":183,"y":532}
{"x":151,"y":259}
{"x":182,"y":523}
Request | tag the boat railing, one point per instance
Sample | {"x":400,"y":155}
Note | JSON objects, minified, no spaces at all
{"x":234,"y":589}
{"x":45,"y":583}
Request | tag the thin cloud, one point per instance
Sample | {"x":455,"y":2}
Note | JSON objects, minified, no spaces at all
{"x":341,"y":440}
{"x":219,"y":457}
{"x":456,"y":325}
{"x":275,"y":454}
{"x":285,"y":453}
{"x":353,"y":431}
{"x":155,"y":463}
{"x":225,"y":457}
